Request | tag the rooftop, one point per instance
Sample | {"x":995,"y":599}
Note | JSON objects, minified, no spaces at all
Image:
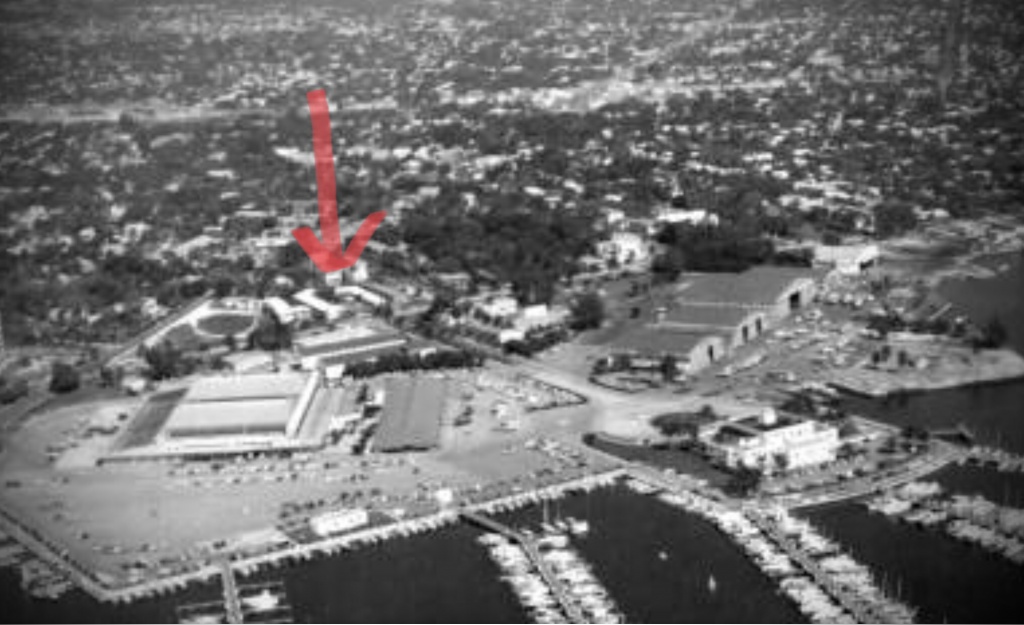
{"x":352,"y":337}
{"x":247,"y":416}
{"x":758,"y":286}
{"x":708,"y":315}
{"x":243,"y":387}
{"x":412,"y":414}
{"x":650,"y":339}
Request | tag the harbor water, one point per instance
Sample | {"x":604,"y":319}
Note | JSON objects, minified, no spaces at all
{"x":951,"y":581}
{"x":947,"y":580}
{"x":657,"y":562}
{"x":994,"y":412}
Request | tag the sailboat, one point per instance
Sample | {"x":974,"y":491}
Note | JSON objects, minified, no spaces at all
{"x":545,"y":523}
{"x":560,"y":523}
{"x":712,"y":584}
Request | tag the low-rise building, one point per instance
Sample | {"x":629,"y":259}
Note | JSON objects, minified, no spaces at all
{"x":337,"y":521}
{"x":625,"y":248}
{"x":772,"y":442}
{"x":347,"y":345}
{"x":847,"y":259}
{"x":328,"y":310}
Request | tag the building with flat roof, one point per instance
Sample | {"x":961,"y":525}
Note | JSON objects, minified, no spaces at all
{"x":411,"y":416}
{"x":328,"y":310}
{"x":693,"y":350}
{"x":847,"y":260}
{"x":714,"y":314}
{"x":232,"y":415}
{"x":775,"y":290}
{"x":771,"y":442}
{"x":347,"y":345}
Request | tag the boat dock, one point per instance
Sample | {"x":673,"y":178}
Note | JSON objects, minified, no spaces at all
{"x":851,"y":601}
{"x":569,"y":607}
{"x":998,"y":459}
{"x":732,"y":516}
{"x":232,"y":604}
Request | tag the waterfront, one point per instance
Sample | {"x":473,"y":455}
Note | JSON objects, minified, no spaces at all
{"x":951,"y":581}
{"x":656,"y":561}
{"x":993,"y":412}
{"x":947,"y":580}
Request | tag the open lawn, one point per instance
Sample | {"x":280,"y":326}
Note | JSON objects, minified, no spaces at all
{"x":224,"y":324}
{"x":665,"y":458}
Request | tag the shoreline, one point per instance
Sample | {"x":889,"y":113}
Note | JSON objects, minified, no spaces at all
{"x":296,"y":553}
{"x":1007,"y":369}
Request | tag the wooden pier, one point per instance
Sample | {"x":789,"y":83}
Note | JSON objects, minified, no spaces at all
{"x":232,"y":603}
{"x":569,"y":607}
{"x":861,"y":610}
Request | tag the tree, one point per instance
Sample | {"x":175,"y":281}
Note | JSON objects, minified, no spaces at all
{"x":994,"y":334}
{"x":743,"y":482}
{"x":10,"y":393}
{"x":587,"y":312}
{"x":669,"y":368}
{"x":894,"y":218}
{"x":675,"y":424}
{"x":64,"y":378}
{"x":164,"y":360}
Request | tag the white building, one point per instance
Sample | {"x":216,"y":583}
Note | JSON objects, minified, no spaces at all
{"x":695,"y":217}
{"x":330,"y":311}
{"x":770,"y":443}
{"x":625,"y":248}
{"x":501,"y":308}
{"x":847,"y":259}
{"x":281,"y":309}
{"x":338,"y":521}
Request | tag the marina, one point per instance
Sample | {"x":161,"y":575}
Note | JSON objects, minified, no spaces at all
{"x":826,"y":585}
{"x":970,"y":518}
{"x":264,"y":602}
{"x":997,"y":459}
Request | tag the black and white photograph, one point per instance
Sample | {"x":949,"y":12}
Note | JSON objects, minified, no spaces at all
{"x":511,"y":311}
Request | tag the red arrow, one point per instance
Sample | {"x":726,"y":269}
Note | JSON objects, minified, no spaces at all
{"x":329,"y":255}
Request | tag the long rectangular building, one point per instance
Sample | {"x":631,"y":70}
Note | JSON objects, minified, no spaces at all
{"x":347,"y":345}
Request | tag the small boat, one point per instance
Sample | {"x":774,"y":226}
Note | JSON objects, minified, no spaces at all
{"x":662,"y":555}
{"x":712,"y":584}
{"x":262,"y":602}
{"x":578,"y":527}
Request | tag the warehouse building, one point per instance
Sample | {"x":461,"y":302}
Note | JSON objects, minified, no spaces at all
{"x":411,"y":417}
{"x":715,"y":314}
{"x":238,"y":414}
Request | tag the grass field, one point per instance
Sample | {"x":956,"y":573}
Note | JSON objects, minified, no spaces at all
{"x":225,"y":324}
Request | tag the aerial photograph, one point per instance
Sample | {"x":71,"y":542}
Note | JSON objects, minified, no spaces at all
{"x":511,"y":311}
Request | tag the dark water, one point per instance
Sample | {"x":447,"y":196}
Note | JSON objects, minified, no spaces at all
{"x":947,"y":580}
{"x":950,"y":581}
{"x":76,"y":606}
{"x":445,"y":577}
{"x":1001,"y":296}
{"x":628,"y":532}
{"x":995,"y":413}
{"x":442,"y":577}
